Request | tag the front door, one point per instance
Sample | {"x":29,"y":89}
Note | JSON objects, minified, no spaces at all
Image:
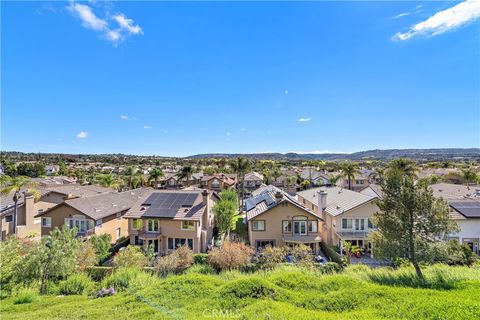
{"x":300,"y":227}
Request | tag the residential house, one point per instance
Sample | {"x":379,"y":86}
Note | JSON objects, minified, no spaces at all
{"x":218,"y":182}
{"x":373,"y":190}
{"x":467,"y":215}
{"x":316,"y":178}
{"x":358,"y":182}
{"x":275,"y":218}
{"x":346,"y":214}
{"x":52,"y":170}
{"x":252,"y":181}
{"x":95,"y":214}
{"x":167,"y":219}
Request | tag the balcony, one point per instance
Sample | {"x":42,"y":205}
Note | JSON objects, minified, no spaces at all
{"x":148,"y":234}
{"x":86,"y":233}
{"x":298,"y":238}
{"x":350,"y":234}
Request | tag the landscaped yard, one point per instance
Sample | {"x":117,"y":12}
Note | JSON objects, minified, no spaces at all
{"x":287,"y":292}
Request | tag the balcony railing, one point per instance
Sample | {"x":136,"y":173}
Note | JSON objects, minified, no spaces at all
{"x":353,"y":234}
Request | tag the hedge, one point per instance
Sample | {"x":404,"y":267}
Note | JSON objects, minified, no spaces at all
{"x":332,"y":255}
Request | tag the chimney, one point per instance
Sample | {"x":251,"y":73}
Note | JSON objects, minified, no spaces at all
{"x":205,"y":197}
{"x":28,"y":220}
{"x":322,"y":200}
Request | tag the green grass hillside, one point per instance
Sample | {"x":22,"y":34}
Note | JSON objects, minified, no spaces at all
{"x":287,"y":292}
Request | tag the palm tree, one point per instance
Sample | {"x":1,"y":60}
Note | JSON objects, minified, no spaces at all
{"x":377,"y":174}
{"x":241,"y":166}
{"x":334,"y":179}
{"x":305,"y":184}
{"x":107,"y":180}
{"x":348,"y":170}
{"x":15,"y":185}
{"x":276,"y":174}
{"x":404,"y":165}
{"x":155,"y":175}
{"x":185,"y":173}
{"x":130,"y":173}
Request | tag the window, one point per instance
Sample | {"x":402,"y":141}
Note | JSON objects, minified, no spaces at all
{"x":118,"y":232}
{"x":9,"y":218}
{"x":153,"y":226}
{"x":370,"y":224}
{"x":263,"y":243}
{"x":258,"y":225}
{"x":81,"y":224}
{"x":46,"y":222}
{"x":40,"y":211}
{"x":188,"y":225}
{"x":174,"y":243}
{"x":98,"y":223}
{"x":215,"y":184}
{"x":312,"y":226}
{"x":138,"y":241}
{"x":287,"y":226}
{"x":359,"y":224}
{"x":346,"y":223}
{"x":137,"y":224}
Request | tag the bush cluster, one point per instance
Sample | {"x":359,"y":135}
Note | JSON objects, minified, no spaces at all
{"x":176,"y":262}
{"x":76,"y":284}
{"x":230,"y":255}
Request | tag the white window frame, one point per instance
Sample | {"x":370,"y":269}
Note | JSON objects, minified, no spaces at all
{"x":351,"y":224}
{"x":48,"y":221}
{"x":255,"y":227}
{"x":314,"y":225}
{"x":154,"y":223}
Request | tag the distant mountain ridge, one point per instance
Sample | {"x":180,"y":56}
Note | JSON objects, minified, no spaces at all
{"x":377,"y":154}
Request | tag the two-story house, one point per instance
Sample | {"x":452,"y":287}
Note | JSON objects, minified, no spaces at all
{"x":252,"y":181}
{"x":168,"y":219}
{"x":275,"y":218}
{"x":358,"y":182}
{"x":346,"y":214}
{"x":97,"y":214}
{"x":218,"y":182}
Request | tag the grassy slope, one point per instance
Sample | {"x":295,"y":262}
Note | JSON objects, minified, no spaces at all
{"x":286,"y":293}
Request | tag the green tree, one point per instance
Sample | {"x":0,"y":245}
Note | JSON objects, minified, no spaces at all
{"x":101,"y":244}
{"x":241,"y":166}
{"x":14,"y":186}
{"x":186,"y":173}
{"x":334,"y":179}
{"x":348,"y":170}
{"x":407,"y":166}
{"x":55,"y":258}
{"x":226,"y":216}
{"x":410,"y":219}
{"x":62,"y":169}
{"x":229,"y":195}
{"x":130,"y":257}
{"x":155,"y":175}
{"x":108,"y":180}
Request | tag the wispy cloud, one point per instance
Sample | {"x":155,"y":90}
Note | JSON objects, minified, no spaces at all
{"x":147,"y":127}
{"x":304,"y":119}
{"x":114,"y":28}
{"x":82,"y":134}
{"x":228,"y":134}
{"x":443,"y":21}
{"x":124,"y":117}
{"x":403,"y":14}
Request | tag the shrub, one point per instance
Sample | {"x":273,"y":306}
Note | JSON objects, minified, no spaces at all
{"x":121,"y":278}
{"x":176,"y":262}
{"x":269,"y":257}
{"x":101,"y":244}
{"x":25,"y":296}
{"x":77,"y":284}
{"x":330,"y":267}
{"x":99,"y":273}
{"x":200,"y":258}
{"x":301,"y":254}
{"x":333,"y":255}
{"x":201,"y":268}
{"x":230,"y":255}
{"x":86,"y":256}
{"x":130,"y":257}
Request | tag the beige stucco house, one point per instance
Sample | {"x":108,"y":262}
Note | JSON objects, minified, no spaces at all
{"x":275,"y":218}
{"x":346,"y":214}
{"x":168,"y":219}
{"x":98,"y":214}
{"x":218,"y":182}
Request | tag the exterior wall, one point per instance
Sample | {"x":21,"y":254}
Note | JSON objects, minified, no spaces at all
{"x":469,"y":232}
{"x":274,"y":224}
{"x":109,"y":224}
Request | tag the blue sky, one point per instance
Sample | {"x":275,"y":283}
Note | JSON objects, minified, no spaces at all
{"x":179,"y":78}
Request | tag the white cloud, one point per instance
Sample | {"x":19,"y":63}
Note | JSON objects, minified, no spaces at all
{"x":82,"y":134}
{"x":124,"y":117}
{"x":443,"y":21}
{"x":89,"y":19}
{"x":286,"y":91}
{"x":403,"y":14}
{"x":147,"y":127}
{"x":243,"y":129}
{"x":125,"y":26}
{"x":228,"y":134}
{"x":304,"y":119}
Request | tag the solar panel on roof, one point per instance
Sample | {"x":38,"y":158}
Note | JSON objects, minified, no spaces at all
{"x":166,"y":205}
{"x":470,"y":209}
